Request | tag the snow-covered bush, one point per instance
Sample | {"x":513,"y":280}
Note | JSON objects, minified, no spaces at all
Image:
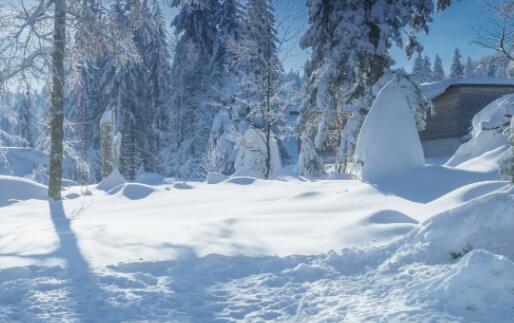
{"x":252,"y":157}
{"x":310,"y":164}
{"x":414,"y":101}
{"x":492,"y":128}
{"x":388,"y":140}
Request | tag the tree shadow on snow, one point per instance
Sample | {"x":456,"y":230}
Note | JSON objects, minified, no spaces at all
{"x":429,"y":183}
{"x":84,"y":291}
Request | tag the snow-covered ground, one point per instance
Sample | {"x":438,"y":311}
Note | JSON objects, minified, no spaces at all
{"x":432,"y":243}
{"x":247,"y":249}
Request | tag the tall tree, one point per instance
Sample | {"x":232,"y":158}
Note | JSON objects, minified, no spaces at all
{"x":57,"y":94}
{"x":438,"y":74}
{"x":427,"y":69}
{"x":266,"y":74}
{"x":195,"y":26}
{"x":469,"y":69}
{"x":418,"y":69}
{"x":350,"y":42}
{"x":457,"y":69}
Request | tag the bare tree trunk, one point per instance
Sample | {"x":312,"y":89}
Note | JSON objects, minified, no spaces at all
{"x":57,"y":108}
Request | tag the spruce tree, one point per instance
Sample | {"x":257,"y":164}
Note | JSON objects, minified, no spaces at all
{"x":438,"y":74}
{"x":195,"y":25}
{"x":427,"y":69}
{"x":469,"y":70}
{"x":457,"y":69}
{"x":418,"y":69}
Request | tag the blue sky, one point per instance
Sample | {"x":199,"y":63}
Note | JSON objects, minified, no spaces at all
{"x":451,"y":28}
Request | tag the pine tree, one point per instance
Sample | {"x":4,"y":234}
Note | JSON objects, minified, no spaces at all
{"x":267,"y":106}
{"x":469,"y":70}
{"x":427,"y":69}
{"x":457,"y":69}
{"x":438,"y":74}
{"x":418,"y":69}
{"x":192,"y":108}
{"x":26,"y":114}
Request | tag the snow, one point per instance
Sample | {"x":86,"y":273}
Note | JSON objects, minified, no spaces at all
{"x":250,"y":160}
{"x":434,"y":89}
{"x":427,"y":243}
{"x":388,"y":142}
{"x":489,"y":145}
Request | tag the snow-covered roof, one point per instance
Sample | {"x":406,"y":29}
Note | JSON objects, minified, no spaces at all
{"x":432,"y":90}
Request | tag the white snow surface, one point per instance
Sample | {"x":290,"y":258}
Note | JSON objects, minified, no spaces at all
{"x":434,"y":89}
{"x":388,"y":141}
{"x":489,"y":144}
{"x":433,"y":244}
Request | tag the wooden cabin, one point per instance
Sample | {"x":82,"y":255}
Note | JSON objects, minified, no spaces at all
{"x":455,"y":104}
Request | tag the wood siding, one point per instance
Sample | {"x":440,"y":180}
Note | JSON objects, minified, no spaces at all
{"x":456,"y":107}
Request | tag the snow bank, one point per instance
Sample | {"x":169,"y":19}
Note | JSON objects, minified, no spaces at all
{"x":24,"y":162}
{"x":113,"y":180}
{"x":388,"y":142}
{"x":14,"y":189}
{"x":480,"y":281}
{"x":486,"y":222}
{"x":132,"y":191}
{"x":490,"y":133}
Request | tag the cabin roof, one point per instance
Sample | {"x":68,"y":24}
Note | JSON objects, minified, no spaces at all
{"x":433,"y":90}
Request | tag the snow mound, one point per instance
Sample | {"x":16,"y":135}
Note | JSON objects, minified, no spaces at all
{"x":110,"y":182}
{"x":490,"y":133}
{"x":24,"y":162}
{"x":132,"y":191}
{"x":149,"y":178}
{"x":251,"y":158}
{"x":486,"y":222}
{"x":388,"y":217}
{"x":215,"y":178}
{"x":15,"y":189}
{"x":388,"y":141}
{"x":479,"y":281}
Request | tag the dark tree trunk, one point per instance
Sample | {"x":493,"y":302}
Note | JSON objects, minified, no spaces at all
{"x":57,"y":108}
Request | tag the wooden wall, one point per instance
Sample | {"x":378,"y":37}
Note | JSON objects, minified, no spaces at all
{"x":456,"y":107}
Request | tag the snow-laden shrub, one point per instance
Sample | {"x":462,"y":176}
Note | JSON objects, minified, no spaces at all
{"x":358,"y":110}
{"x":491,"y":133}
{"x":252,"y":156}
{"x":310,"y":164}
{"x":388,"y":141}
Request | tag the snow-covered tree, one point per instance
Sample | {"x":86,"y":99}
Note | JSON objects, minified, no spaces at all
{"x":438,"y":74}
{"x":310,"y":165}
{"x":457,"y":69}
{"x":192,"y":110}
{"x":418,"y":69}
{"x":26,"y":116}
{"x":427,"y":69}
{"x":469,"y":70}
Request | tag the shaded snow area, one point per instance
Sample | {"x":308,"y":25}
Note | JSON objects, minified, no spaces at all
{"x":430,"y":244}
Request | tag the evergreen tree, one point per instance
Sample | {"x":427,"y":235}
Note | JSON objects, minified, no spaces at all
{"x":457,"y":69}
{"x":427,"y":69}
{"x":418,"y":69}
{"x":192,"y":109}
{"x":350,"y":45}
{"x":266,"y":106}
{"x":438,"y":74}
{"x":469,"y":70}
{"x":26,"y":115}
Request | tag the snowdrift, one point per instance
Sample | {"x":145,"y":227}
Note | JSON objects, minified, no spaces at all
{"x":13,"y":189}
{"x":24,"y":162}
{"x":489,"y":145}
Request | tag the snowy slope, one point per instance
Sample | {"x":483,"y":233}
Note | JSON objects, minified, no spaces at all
{"x":433,"y":244}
